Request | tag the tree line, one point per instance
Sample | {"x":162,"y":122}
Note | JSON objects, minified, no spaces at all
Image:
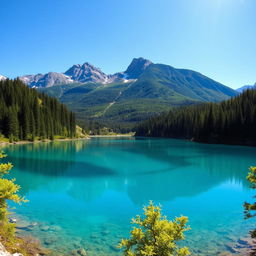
{"x":26,"y":114}
{"x":232,"y":121}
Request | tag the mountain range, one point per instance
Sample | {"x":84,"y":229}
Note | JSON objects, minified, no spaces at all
{"x":85,"y":73}
{"x":144,"y":89}
{"x":246,"y":87}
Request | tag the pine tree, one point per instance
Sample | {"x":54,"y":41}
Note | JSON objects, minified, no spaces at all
{"x":26,"y":114}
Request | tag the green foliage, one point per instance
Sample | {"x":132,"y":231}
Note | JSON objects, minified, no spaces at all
{"x":155,"y":235}
{"x":26,"y":114}
{"x":231,"y":121}
{"x":250,"y":208}
{"x":8,"y":191}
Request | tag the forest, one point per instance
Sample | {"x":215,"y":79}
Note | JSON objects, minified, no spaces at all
{"x":230,"y":122}
{"x":28,"y":115}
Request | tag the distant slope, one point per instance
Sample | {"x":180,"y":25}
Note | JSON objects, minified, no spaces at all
{"x":143,"y":90}
{"x":230,"y":122}
{"x":166,"y":82}
{"x":245,"y":87}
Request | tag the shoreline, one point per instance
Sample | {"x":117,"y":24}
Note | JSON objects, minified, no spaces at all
{"x":210,"y":142}
{"x":22,"y":142}
{"x":116,"y":135}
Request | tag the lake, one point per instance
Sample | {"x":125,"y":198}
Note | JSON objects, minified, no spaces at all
{"x":84,"y":193}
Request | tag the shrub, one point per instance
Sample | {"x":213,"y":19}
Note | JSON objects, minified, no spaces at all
{"x":8,"y":191}
{"x":250,"y":208}
{"x":155,"y":235}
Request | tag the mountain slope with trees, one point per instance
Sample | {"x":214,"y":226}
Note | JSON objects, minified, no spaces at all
{"x":26,"y":113}
{"x":143,"y":90}
{"x":231,"y":122}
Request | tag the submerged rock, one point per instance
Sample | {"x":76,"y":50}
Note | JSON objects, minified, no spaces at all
{"x":55,"y":228}
{"x":245,"y":241}
{"x":230,"y":248}
{"x":105,"y":232}
{"x":225,"y":254}
{"x":44,"y":228}
{"x":114,"y":248}
{"x":23,"y":224}
{"x":50,"y":240}
{"x":94,"y":236}
{"x":79,"y":252}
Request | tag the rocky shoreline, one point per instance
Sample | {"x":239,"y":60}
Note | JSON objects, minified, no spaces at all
{"x":3,"y":252}
{"x":243,"y":247}
{"x":52,"y":234}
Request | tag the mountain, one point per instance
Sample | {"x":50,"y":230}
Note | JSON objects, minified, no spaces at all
{"x":159,"y":80}
{"x":144,"y":89}
{"x":134,"y":70}
{"x":137,"y":67}
{"x":86,"y":73}
{"x":46,"y":80}
{"x":245,"y":87}
{"x":2,"y":77}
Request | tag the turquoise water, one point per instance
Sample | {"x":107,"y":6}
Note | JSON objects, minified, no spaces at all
{"x":84,"y":193}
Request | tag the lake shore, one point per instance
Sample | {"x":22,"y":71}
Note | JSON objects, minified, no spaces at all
{"x":109,"y":136}
{"x":21,"y":142}
{"x":6,"y":143}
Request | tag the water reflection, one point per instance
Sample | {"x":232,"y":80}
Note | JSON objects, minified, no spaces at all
{"x":160,"y":170}
{"x":86,"y":187}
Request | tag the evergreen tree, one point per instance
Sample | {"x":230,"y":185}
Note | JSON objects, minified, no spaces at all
{"x":12,"y":124}
{"x":26,"y":114}
{"x":232,"y":121}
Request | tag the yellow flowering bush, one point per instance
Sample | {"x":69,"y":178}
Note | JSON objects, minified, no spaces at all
{"x":155,"y":235}
{"x":8,"y":191}
{"x":249,"y":208}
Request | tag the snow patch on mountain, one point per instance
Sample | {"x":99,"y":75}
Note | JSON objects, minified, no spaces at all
{"x":2,"y":77}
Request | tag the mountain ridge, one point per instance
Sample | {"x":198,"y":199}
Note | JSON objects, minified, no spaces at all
{"x":144,"y":89}
{"x":86,"y":73}
{"x":245,"y":87}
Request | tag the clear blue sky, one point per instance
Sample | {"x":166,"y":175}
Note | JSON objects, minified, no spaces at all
{"x":214,"y":37}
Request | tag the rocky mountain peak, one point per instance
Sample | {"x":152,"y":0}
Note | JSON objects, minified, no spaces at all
{"x":46,"y":80}
{"x":86,"y":73}
{"x":136,"y":68}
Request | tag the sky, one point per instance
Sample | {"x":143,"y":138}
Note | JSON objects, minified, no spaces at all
{"x":214,"y":37}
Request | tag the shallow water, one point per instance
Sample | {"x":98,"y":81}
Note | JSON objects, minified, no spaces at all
{"x":84,"y":193}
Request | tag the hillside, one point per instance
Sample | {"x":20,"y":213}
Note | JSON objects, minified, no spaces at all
{"x":246,"y":87}
{"x":143,"y":90}
{"x":26,"y":114}
{"x":229,"y":122}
